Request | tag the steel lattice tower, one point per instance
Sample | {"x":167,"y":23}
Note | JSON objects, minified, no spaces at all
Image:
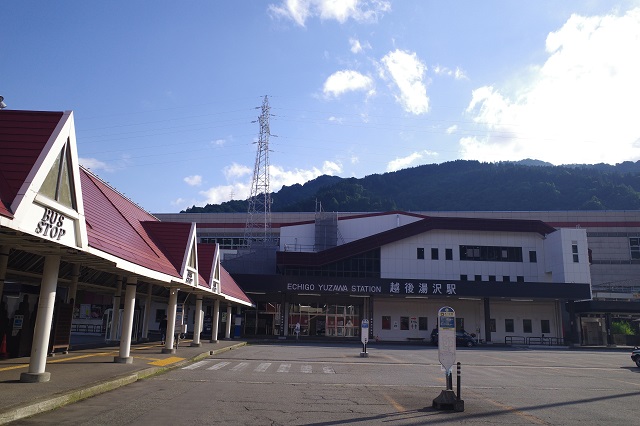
{"x":258,"y":227}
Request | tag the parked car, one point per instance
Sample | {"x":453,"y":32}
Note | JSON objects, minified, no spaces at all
{"x":635,"y":355}
{"x":462,"y":338}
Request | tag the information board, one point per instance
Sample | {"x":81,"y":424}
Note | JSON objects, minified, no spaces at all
{"x":364,"y":334}
{"x":447,"y":337}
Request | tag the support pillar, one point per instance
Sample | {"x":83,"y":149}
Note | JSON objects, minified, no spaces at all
{"x":215,"y":321}
{"x":197,"y":322}
{"x":147,"y":314}
{"x":127,"y":322}
{"x":42,"y":331}
{"x":227,"y":334}
{"x":487,"y":320}
{"x":115,"y":317}
{"x":286,"y":318}
{"x":171,"y":322}
{"x":4,"y":260}
{"x":73,"y":287}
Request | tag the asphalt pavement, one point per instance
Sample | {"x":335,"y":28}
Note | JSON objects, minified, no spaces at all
{"x":89,"y":369}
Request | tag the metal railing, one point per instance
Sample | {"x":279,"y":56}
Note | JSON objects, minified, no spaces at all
{"x":542,"y":340}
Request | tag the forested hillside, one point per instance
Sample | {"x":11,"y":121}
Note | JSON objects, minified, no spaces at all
{"x":465,"y":185}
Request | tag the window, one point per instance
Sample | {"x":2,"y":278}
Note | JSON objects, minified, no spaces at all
{"x":448,"y":254}
{"x":492,"y":278}
{"x":404,"y":323}
{"x":434,"y":254}
{"x":520,"y":278}
{"x":478,"y":277}
{"x":423,"y":324}
{"x":508,"y":326}
{"x":545,"y":327}
{"x":506,"y":279}
{"x":459,"y":324}
{"x":386,"y":322}
{"x":574,"y":250}
{"x":634,"y":247}
{"x":526,"y":326}
{"x":533,"y":256}
{"x":491,"y":253}
{"x":420,"y":253}
{"x":492,"y":325}
{"x":463,"y":278}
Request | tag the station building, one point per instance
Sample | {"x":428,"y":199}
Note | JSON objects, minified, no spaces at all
{"x":508,"y":275}
{"x":78,"y":257}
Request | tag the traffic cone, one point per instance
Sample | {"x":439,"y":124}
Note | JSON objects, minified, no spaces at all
{"x":3,"y":348}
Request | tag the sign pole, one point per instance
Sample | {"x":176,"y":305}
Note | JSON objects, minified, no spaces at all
{"x":447,"y":358}
{"x":364,"y":337}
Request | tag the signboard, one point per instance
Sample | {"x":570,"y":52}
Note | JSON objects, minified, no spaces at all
{"x":179,"y":316}
{"x":364,"y":335}
{"x":447,"y":337}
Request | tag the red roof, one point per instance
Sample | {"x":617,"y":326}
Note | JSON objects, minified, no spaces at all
{"x":115,"y":226}
{"x":229,"y":287}
{"x":415,"y":228}
{"x":206,"y":254}
{"x":23,"y":135}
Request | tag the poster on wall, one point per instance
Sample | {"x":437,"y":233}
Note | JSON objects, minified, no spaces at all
{"x":413,"y":323}
{"x":85,"y":311}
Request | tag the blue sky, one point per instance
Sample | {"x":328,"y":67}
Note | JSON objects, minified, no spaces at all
{"x":165,"y":94}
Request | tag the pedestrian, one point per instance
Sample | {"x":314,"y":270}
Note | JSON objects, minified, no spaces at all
{"x":163,"y":328}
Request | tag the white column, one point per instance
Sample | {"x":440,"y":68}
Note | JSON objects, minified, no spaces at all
{"x":4,"y":259}
{"x":42,"y":331}
{"x":197,"y":322}
{"x":171,"y":322}
{"x":215,"y":321}
{"x":227,"y":334}
{"x":115,"y":318}
{"x":73,"y":287}
{"x":147,"y":314}
{"x":127,"y":322}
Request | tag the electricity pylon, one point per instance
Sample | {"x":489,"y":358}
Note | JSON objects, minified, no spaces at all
{"x":258,"y":226}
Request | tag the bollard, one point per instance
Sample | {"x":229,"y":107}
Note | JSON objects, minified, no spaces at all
{"x":458,"y":381}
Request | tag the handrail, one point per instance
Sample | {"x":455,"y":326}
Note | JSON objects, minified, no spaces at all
{"x":543,"y":340}
{"x":519,"y":340}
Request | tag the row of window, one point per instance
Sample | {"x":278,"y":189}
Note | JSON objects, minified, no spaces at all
{"x":482,"y":253}
{"x":492,"y":278}
{"x":421,"y":323}
{"x":527,"y":326}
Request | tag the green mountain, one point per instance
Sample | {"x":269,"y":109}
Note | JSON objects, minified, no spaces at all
{"x":464,"y":185}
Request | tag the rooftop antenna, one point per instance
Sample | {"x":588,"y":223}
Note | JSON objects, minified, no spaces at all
{"x":258,"y":227}
{"x":2,"y":104}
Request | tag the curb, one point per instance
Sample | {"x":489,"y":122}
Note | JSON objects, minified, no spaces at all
{"x":60,"y":400}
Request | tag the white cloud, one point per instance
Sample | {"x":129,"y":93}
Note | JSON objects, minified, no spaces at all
{"x":407,"y":72}
{"x":239,"y":177}
{"x":452,"y":129}
{"x":236,"y":170}
{"x":580,"y":106}
{"x":194,"y":180}
{"x":219,"y":142}
{"x":340,"y":10}
{"x":345,"y":81}
{"x":336,"y":120}
{"x":356,"y":47}
{"x":94,"y":164}
{"x":409,"y":160}
{"x":457,"y":73}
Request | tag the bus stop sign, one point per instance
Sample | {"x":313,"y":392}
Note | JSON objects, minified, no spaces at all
{"x":447,"y":337}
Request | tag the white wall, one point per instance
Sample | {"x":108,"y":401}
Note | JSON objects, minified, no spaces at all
{"x":399,"y":259}
{"x":559,"y":256}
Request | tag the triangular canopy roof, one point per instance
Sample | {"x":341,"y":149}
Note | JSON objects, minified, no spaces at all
{"x":40,"y":181}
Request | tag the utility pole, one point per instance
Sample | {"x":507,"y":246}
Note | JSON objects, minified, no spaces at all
{"x":258,"y":226}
